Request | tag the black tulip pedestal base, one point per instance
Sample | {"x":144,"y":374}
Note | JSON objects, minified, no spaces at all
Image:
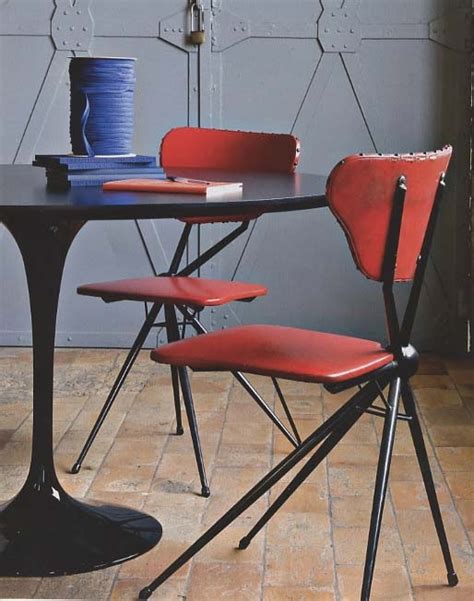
{"x":48,"y":533}
{"x":43,"y":530}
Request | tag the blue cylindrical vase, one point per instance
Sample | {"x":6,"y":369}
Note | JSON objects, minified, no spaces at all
{"x":102,"y":113}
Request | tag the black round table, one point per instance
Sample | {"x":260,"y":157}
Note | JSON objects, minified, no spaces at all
{"x":43,"y":530}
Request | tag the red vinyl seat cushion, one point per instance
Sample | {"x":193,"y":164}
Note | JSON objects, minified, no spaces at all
{"x":199,"y":292}
{"x":290,"y":353}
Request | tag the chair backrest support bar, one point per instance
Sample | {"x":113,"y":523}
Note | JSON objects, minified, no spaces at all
{"x":412,"y":305}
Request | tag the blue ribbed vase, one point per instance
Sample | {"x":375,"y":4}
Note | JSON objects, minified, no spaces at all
{"x":102,"y":112}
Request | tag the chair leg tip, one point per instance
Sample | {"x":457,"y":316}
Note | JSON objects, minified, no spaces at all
{"x":145,"y":593}
{"x":205,"y":491}
{"x":452,"y":579}
{"x":179,"y":431}
{"x":76,"y":468}
{"x":244,"y":543}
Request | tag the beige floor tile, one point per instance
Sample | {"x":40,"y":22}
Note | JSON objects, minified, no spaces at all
{"x":465,"y":508}
{"x":250,"y":455}
{"x":432,"y":381}
{"x":123,"y":479}
{"x":220,"y":503}
{"x":128,"y":589}
{"x":461,"y":484}
{"x":442,"y":592}
{"x":390,"y":583}
{"x":412,"y":495}
{"x":18,"y":588}
{"x":405,"y":468}
{"x":95,"y":585}
{"x":351,"y":543}
{"x":356,"y":454}
{"x":310,"y":497}
{"x":434,"y":398}
{"x":294,"y":566}
{"x":417,"y":527}
{"x":351,"y":481}
{"x":224,"y":548}
{"x":354,"y":512}
{"x":287,"y":593}
{"x":236,"y":581}
{"x":427,"y":566}
{"x":299,"y":530}
{"x":150,"y":565}
{"x":453,"y":436}
{"x":15,"y":452}
{"x":456,"y":459}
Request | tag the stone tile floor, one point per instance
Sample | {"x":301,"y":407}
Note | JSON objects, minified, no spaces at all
{"x":313,"y":548}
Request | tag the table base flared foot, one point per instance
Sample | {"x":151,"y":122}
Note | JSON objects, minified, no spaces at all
{"x":45,"y":535}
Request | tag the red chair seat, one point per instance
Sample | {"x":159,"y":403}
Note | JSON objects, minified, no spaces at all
{"x":199,"y":292}
{"x":289,"y":353}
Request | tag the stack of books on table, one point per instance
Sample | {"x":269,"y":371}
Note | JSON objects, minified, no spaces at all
{"x":67,"y":170}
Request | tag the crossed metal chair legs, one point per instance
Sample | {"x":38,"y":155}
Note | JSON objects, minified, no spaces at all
{"x":180,"y":380}
{"x":327,"y":436}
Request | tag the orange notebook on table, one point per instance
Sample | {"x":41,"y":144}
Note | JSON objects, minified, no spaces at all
{"x":176,"y":185}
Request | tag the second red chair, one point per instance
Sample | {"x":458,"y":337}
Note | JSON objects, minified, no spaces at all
{"x":196,"y":148}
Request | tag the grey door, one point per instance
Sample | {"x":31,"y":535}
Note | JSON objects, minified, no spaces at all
{"x":353,"y":76}
{"x":346,"y":77}
{"x":37,"y":37}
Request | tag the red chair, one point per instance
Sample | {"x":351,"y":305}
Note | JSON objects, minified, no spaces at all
{"x":387,"y":206}
{"x":182,"y":148}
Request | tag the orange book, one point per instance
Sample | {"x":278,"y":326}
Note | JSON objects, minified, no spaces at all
{"x":177,"y":185}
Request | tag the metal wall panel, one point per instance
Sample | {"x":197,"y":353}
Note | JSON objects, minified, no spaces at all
{"x":344,"y":75}
{"x":381,"y":76}
{"x":37,"y":39}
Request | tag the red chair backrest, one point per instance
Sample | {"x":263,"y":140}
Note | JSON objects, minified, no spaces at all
{"x":199,"y":148}
{"x":360,"y":193}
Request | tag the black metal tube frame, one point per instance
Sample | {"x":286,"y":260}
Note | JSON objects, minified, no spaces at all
{"x":176,"y":377}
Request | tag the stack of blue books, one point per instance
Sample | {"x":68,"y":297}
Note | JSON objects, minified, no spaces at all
{"x":67,"y":170}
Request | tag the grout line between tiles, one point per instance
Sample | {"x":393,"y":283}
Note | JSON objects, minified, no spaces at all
{"x":337,"y":592}
{"x":265,"y":533}
{"x":213,"y":467}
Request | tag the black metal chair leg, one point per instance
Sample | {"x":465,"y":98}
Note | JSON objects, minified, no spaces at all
{"x":246,"y":385}
{"x":172,"y":333}
{"x":119,"y":381}
{"x":422,"y":455}
{"x":286,"y":409}
{"x":177,"y":402}
{"x":326,"y":447}
{"x":381,"y":482}
{"x":362,"y":399}
{"x":191,"y":415}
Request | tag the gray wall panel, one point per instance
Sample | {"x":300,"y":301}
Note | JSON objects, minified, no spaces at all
{"x":395,"y":77}
{"x":389,"y":79}
{"x":17,"y":100}
{"x":37,"y":121}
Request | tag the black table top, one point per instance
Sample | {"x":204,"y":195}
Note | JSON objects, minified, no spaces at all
{"x":23,"y":193}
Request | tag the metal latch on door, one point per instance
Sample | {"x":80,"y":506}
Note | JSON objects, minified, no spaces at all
{"x":197,"y":34}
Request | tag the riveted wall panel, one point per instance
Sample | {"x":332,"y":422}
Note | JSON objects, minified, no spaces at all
{"x":344,"y":75}
{"x":37,"y":37}
{"x":352,"y":76}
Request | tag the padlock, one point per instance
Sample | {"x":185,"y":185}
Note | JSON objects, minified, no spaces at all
{"x":197,"y":37}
